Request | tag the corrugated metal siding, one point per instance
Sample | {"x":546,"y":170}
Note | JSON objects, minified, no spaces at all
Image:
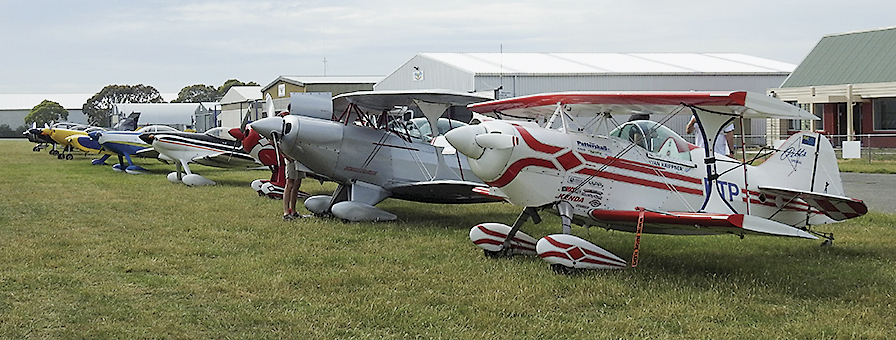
{"x":849,"y":58}
{"x":518,"y":85}
{"x":436,"y":75}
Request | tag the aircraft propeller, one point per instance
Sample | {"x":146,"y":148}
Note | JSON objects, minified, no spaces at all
{"x":497,"y":140}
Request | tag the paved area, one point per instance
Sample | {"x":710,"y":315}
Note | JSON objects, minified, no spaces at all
{"x":878,"y":191}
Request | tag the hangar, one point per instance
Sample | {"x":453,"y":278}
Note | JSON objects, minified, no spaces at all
{"x":505,"y":75}
{"x":849,"y":81}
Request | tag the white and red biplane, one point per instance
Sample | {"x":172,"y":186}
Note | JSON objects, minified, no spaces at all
{"x":642,"y":177}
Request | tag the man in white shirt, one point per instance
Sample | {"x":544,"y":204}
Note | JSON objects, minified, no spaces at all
{"x":724,"y":143}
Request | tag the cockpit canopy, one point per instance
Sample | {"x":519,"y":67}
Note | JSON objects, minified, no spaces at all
{"x":419,"y":128}
{"x":655,"y":138}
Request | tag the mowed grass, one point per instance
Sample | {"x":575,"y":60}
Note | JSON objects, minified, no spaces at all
{"x":90,"y":253}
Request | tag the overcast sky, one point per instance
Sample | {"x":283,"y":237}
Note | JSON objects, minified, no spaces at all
{"x":80,"y":47}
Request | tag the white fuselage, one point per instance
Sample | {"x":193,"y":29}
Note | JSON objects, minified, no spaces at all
{"x":606,"y":172}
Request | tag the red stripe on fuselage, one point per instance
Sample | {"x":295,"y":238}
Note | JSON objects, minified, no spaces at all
{"x":534,"y":144}
{"x":640,"y":181}
{"x":514,"y":169}
{"x":640,"y":167}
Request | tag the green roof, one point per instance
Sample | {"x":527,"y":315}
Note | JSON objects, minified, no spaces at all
{"x":849,"y":58}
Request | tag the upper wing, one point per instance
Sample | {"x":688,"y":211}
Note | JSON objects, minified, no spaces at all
{"x":387,"y":100}
{"x":739,"y":103}
{"x":686,"y":222}
{"x":227,"y":160}
{"x":836,"y":207}
{"x":444,"y":191}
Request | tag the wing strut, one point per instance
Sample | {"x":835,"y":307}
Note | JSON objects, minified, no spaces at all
{"x":638,"y":237}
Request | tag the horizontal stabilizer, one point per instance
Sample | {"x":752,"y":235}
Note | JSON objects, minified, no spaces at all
{"x":836,"y":207}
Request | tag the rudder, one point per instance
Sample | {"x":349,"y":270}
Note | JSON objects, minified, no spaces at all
{"x":805,"y":161}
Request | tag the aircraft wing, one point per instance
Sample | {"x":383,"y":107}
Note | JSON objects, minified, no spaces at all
{"x":688,"y":222}
{"x":147,"y":153}
{"x":738,"y":103}
{"x":444,"y":191}
{"x":228,"y":160}
{"x":387,"y":100}
{"x":838,"y":208}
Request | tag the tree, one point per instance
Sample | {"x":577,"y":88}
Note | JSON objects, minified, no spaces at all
{"x":98,"y":108}
{"x":196,"y":94}
{"x":207,"y":93}
{"x":46,"y":112}
{"x":231,"y":83}
{"x":8,"y":132}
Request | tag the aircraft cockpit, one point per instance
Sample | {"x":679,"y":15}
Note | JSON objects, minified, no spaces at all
{"x":418,"y":128}
{"x":221,"y":133}
{"x":655,"y":138}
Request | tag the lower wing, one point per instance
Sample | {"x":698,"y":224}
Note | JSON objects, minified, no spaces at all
{"x":698,"y":223}
{"x":445,"y":191}
{"x":228,"y":160}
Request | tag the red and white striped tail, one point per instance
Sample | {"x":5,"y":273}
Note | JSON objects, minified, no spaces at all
{"x":574,"y":252}
{"x":491,"y":236}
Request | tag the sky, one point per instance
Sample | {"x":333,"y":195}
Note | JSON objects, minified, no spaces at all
{"x":80,"y":47}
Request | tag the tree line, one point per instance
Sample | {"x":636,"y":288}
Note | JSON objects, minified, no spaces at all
{"x":98,"y":108}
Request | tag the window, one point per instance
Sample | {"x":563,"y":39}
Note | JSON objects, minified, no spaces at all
{"x":654,"y":137}
{"x":805,"y":125}
{"x":884,"y":113}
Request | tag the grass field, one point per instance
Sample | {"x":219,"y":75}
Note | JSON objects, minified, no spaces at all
{"x":90,"y":253}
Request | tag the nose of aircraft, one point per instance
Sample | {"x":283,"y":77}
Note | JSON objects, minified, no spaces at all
{"x":464,"y":140}
{"x":267,"y":126}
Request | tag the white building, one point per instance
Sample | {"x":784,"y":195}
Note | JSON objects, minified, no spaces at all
{"x":505,"y":75}
{"x":180,"y":116}
{"x":236,"y":102}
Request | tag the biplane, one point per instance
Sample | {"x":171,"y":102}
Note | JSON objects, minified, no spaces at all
{"x":642,"y":177}
{"x":375,"y":148}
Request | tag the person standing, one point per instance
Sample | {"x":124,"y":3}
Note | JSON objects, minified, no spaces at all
{"x":724,"y":143}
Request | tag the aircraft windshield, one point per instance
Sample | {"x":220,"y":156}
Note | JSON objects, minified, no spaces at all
{"x":419,"y":128}
{"x":655,"y":138}
{"x":220,"y":132}
{"x":156,"y":128}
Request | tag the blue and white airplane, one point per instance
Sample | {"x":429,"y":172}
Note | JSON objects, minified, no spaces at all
{"x":128,"y":143}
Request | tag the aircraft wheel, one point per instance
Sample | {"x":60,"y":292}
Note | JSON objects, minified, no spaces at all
{"x":69,"y":157}
{"x":561,"y":269}
{"x":827,"y":243}
{"x":54,"y":152}
{"x":493,"y":254}
{"x":60,"y":156}
{"x":35,"y":149}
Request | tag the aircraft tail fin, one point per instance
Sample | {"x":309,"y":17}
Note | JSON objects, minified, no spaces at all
{"x":129,"y":123}
{"x":805,"y":167}
{"x":805,"y":162}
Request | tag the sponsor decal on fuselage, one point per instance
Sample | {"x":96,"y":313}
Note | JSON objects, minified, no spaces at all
{"x":570,"y":198}
{"x":794,"y":156}
{"x":668,"y":166}
{"x":729,"y":190}
{"x":592,"y":146}
{"x":575,"y":180}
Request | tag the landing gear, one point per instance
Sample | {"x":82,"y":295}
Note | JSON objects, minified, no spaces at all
{"x":506,"y":249}
{"x":828,"y":237}
{"x":563,"y":270}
